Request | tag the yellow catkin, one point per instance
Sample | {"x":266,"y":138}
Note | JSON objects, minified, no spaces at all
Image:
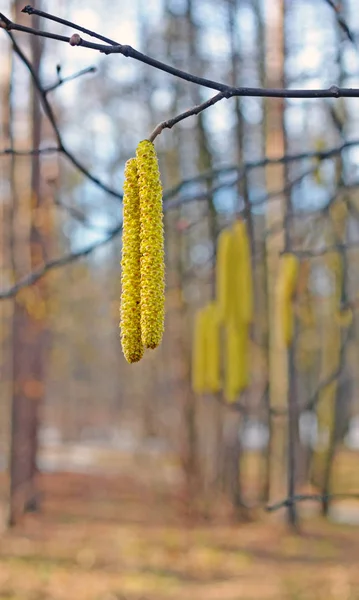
{"x":131,"y":276}
{"x":206,"y":358}
{"x":231,"y":363}
{"x":224,"y":282}
{"x":152,"y":245}
{"x":213,"y":353}
{"x":242,"y":272}
{"x":243,"y":354}
{"x":285,"y":288}
{"x":344,"y":318}
{"x":199,"y":348}
{"x":236,"y":360}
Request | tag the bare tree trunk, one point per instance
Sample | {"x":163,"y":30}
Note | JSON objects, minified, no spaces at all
{"x":277,"y":360}
{"x":29,"y":341}
{"x":232,"y":463}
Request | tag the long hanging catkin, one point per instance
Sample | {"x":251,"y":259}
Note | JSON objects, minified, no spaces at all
{"x":243,"y":355}
{"x":224,"y":282}
{"x":243,"y":273}
{"x":152,"y":245}
{"x":236,"y":360}
{"x":131,"y":277}
{"x":231,"y":362}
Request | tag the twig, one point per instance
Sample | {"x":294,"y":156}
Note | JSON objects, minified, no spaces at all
{"x":325,"y":249}
{"x":81,"y":217}
{"x":33,"y":152}
{"x":67,"y":259}
{"x":30,"y":10}
{"x":341,"y":21}
{"x":312,"y":403}
{"x":129,"y":52}
{"x":51,"y":116}
{"x":196,"y":110}
{"x":225,"y":92}
{"x":263,"y":162}
{"x":168,"y":206}
{"x":305,"y":497}
{"x":63,"y":80}
{"x":268,"y":197}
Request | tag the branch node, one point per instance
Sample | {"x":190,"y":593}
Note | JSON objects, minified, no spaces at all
{"x":126,"y":50}
{"x":335,"y":91}
{"x":75,"y":40}
{"x":28,"y":9}
{"x":5,"y":23}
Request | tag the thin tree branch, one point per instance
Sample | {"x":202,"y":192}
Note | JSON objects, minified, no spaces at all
{"x":325,"y":250}
{"x":51,"y":116}
{"x":341,"y":22}
{"x":30,"y":10}
{"x":129,"y":52}
{"x":311,"y":497}
{"x":56,"y":263}
{"x":63,"y":80}
{"x":268,"y":197}
{"x":79,"y":216}
{"x":33,"y":152}
{"x":248,"y":166}
{"x":332,"y":377}
{"x":312,"y":403}
{"x":196,"y":110}
{"x":225,"y":92}
{"x":263,"y":162}
{"x":168,"y":206}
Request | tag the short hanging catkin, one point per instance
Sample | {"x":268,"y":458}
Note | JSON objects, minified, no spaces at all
{"x":231,"y":362}
{"x":131,"y":278}
{"x":152,"y":245}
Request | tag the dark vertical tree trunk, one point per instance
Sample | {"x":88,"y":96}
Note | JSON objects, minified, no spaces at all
{"x":293,"y":416}
{"x":340,"y":237}
{"x":29,"y":339}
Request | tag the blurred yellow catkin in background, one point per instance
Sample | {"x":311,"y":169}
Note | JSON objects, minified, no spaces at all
{"x":242,"y":275}
{"x":131,"y":276}
{"x":232,"y":309}
{"x":224,"y":281}
{"x":236,"y":360}
{"x":206,"y":351}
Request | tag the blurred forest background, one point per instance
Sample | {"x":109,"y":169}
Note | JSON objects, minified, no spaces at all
{"x":86,"y":437}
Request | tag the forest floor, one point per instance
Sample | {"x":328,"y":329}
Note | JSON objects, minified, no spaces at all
{"x":114,"y":538}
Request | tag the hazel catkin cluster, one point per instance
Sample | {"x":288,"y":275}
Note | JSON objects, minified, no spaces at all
{"x":231,"y":314}
{"x":143,"y":271}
